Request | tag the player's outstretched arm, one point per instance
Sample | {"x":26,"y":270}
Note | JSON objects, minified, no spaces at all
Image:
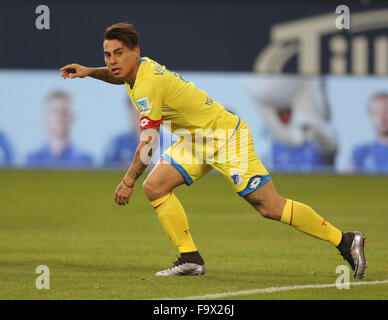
{"x":77,"y":71}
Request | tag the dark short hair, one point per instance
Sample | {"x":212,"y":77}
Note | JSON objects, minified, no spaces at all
{"x":125,"y":32}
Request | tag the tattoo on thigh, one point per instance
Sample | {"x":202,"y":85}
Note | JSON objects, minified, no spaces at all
{"x":255,"y":201}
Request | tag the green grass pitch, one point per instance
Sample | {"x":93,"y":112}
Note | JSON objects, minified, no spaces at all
{"x":96,"y":249}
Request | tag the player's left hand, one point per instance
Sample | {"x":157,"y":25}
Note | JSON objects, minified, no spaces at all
{"x":122,"y":194}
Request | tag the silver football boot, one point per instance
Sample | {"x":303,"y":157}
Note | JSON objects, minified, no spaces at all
{"x":354,"y":254}
{"x":181,"y":268}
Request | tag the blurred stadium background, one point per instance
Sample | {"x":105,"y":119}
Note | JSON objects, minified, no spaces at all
{"x":302,"y":85}
{"x":315,"y":97}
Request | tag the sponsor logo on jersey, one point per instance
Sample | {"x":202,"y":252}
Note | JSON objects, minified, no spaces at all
{"x":143,"y":105}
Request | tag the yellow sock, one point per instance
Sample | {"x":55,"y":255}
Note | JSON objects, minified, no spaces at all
{"x":305,"y":219}
{"x":173,"y":219}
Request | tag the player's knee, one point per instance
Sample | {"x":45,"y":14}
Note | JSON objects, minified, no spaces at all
{"x":153,"y":190}
{"x":149,"y":188}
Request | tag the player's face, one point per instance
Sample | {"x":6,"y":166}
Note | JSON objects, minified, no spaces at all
{"x":379,"y":115}
{"x":121,"y":60}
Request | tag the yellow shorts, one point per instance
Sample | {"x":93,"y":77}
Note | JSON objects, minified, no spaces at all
{"x":234,"y":157}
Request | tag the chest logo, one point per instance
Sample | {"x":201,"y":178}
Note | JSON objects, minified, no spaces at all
{"x":144,"y":105}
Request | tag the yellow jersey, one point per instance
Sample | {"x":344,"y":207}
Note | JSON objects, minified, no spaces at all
{"x":161,"y":95}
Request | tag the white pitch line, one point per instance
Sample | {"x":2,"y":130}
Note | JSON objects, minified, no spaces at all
{"x":272,"y":290}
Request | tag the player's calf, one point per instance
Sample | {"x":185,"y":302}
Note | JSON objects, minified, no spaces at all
{"x":265,"y":209}
{"x":267,"y":201}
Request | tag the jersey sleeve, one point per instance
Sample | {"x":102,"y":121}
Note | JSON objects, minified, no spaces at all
{"x":149,"y":102}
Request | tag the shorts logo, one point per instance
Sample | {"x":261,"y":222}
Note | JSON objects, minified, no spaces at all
{"x":254,"y":183}
{"x":144,"y":105}
{"x":237,"y":179}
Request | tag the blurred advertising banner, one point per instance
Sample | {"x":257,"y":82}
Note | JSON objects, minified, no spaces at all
{"x":299,"y":123}
{"x":347,"y":42}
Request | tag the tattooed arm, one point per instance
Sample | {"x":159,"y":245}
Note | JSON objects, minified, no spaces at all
{"x":149,"y":141}
{"x":77,"y":71}
{"x":105,"y":75}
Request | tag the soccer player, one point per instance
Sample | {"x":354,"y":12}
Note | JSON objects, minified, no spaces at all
{"x":163,"y":96}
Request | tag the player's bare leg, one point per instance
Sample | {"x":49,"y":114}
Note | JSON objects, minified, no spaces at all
{"x":267,"y":201}
{"x":162,"y":180}
{"x":271,"y":205}
{"x":158,"y":188}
